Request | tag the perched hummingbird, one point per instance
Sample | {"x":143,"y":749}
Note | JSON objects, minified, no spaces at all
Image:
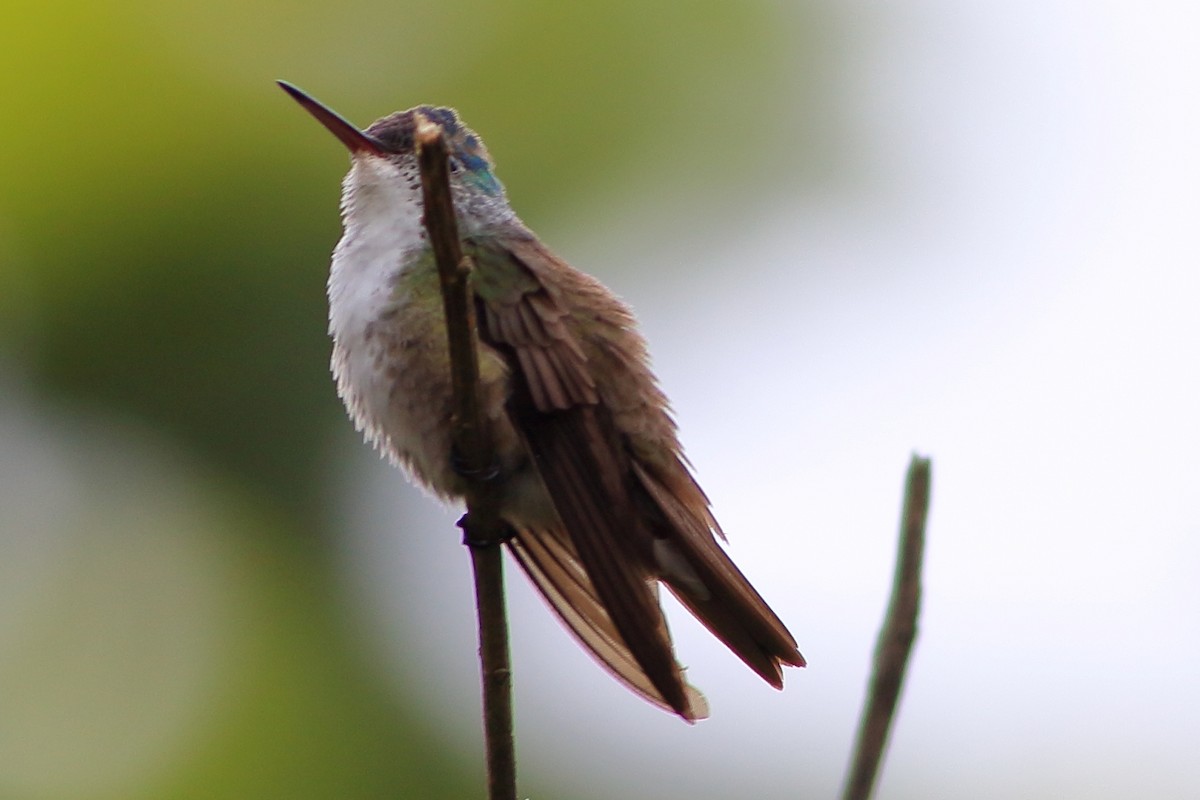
{"x":596,"y":489}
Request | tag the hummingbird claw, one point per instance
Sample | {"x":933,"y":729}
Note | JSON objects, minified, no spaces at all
{"x":472,"y":538}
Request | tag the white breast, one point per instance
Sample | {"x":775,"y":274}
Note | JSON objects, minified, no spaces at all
{"x":381,"y":214}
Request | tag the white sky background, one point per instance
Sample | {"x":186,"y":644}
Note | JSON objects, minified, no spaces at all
{"x":1010,"y":287}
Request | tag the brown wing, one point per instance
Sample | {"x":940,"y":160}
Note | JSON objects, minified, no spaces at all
{"x":581,"y":459}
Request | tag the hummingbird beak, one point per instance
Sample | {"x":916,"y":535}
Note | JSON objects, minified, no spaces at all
{"x":355,"y":140}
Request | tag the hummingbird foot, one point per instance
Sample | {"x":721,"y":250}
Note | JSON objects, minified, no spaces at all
{"x":476,"y":538}
{"x":463,"y":470}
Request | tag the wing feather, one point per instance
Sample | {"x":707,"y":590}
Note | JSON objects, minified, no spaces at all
{"x":628,"y":521}
{"x":728,"y":605}
{"x":580,"y":457}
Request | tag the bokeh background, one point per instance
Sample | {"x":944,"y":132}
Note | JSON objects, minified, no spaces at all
{"x":851,"y":230}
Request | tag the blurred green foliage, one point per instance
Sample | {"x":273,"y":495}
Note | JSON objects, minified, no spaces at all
{"x":165,"y":219}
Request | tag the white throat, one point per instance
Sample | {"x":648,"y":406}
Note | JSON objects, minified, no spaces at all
{"x":381,"y":217}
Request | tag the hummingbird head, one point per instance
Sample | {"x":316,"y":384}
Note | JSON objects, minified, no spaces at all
{"x":470,"y":163}
{"x":392,"y":139}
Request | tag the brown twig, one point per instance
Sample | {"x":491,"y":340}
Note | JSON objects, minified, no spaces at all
{"x":895,"y":638}
{"x":483,"y":530}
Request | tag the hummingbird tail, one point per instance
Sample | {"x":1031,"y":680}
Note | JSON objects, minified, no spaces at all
{"x":699,"y":573}
{"x":552,"y":565}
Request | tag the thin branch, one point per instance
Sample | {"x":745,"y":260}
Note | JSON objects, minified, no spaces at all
{"x":483,"y":530}
{"x":895,"y":638}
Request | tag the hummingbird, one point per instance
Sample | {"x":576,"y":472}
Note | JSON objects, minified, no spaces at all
{"x":596,"y":492}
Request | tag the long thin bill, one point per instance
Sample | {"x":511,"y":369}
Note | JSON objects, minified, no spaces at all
{"x":355,"y":140}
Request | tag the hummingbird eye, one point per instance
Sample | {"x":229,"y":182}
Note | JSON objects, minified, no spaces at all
{"x":455,"y":164}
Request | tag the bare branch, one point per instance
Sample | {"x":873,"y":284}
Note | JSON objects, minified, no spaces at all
{"x":483,"y":530}
{"x":895,"y":638}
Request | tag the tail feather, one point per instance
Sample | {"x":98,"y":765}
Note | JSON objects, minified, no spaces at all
{"x":716,"y":591}
{"x":553,"y":567}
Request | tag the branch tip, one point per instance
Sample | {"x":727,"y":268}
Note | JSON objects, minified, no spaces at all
{"x":896,"y":637}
